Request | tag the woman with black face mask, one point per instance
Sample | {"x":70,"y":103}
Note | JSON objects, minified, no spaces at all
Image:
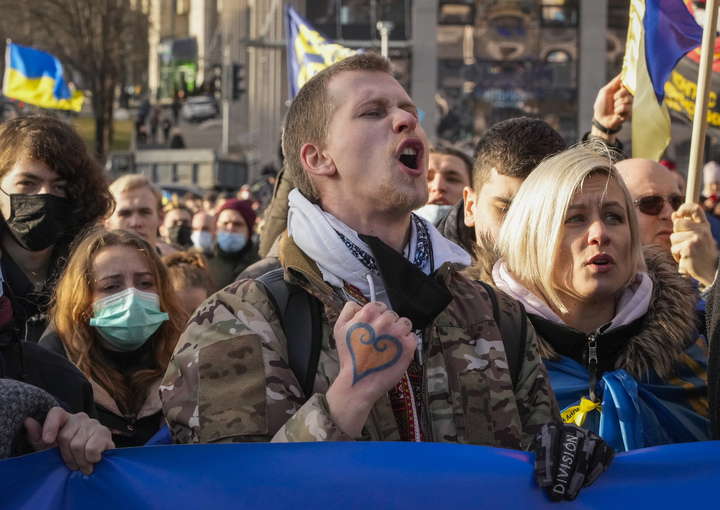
{"x":50,"y":189}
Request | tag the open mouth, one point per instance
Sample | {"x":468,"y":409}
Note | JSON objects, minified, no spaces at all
{"x":409,"y":158}
{"x":601,"y":260}
{"x":411,"y":154}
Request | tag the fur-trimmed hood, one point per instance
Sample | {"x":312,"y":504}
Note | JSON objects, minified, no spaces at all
{"x":668,"y":328}
{"x":659,"y":338}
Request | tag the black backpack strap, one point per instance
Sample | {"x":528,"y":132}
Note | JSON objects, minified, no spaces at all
{"x":513,"y":331}
{"x":299,"y":312}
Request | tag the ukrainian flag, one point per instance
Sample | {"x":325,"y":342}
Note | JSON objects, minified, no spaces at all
{"x":36,"y":77}
{"x":308,"y":51}
{"x":659,"y":34}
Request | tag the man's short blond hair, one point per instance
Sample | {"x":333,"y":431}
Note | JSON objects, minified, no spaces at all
{"x":310,"y":113}
{"x":130,"y":182}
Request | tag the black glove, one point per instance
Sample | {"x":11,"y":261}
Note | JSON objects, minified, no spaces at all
{"x":568,"y":458}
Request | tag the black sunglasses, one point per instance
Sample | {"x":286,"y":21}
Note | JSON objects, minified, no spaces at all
{"x":654,"y":204}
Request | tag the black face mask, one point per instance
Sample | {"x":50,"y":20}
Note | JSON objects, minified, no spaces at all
{"x":180,"y":234}
{"x":36,"y":222}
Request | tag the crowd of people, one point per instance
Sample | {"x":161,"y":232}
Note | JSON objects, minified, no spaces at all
{"x":517,"y":297}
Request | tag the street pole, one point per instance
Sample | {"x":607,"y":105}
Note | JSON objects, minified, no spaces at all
{"x":226,"y":86}
{"x":384,"y":27}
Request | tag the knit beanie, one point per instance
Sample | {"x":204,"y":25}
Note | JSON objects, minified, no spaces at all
{"x":711,"y":173}
{"x":18,"y":401}
{"x":243,"y":207}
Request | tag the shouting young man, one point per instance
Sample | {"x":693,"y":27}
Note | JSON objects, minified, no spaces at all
{"x":409,"y":349}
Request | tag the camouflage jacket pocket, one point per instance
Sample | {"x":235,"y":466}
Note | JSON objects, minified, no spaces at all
{"x":477,"y":409}
{"x":231,"y":389}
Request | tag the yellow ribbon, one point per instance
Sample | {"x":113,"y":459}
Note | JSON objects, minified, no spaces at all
{"x":577,"y":414}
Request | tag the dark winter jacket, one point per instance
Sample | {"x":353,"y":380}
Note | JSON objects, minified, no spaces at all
{"x":29,"y":363}
{"x":453,"y":227}
{"x":712,"y":318}
{"x":225,"y":267}
{"x":126,"y":430}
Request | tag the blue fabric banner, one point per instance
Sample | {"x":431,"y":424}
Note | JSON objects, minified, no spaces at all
{"x":308,"y":51}
{"x":349,"y":476}
{"x":670,"y":32}
{"x":639,"y":414}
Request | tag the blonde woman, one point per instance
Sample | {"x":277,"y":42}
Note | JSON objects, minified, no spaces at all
{"x":617,"y":327}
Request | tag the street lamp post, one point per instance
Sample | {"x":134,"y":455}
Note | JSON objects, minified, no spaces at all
{"x":384,"y":27}
{"x":227,"y":84}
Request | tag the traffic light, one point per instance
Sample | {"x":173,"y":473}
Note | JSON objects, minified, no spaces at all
{"x":216,"y":79}
{"x":237,"y":78}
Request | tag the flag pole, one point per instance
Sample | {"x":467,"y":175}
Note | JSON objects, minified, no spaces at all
{"x":697,"y":144}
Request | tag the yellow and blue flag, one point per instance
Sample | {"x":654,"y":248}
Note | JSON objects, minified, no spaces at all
{"x":659,"y":34}
{"x":309,"y":52}
{"x":36,"y":77}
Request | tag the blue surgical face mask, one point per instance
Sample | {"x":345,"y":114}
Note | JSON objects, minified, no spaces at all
{"x":127,"y":319}
{"x":231,"y":242}
{"x":201,"y":239}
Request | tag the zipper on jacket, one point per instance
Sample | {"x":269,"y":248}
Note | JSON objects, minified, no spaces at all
{"x":592,"y":365}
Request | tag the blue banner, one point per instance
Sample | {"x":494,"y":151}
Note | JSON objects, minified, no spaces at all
{"x":670,"y":32}
{"x":349,"y":476}
{"x":308,"y":51}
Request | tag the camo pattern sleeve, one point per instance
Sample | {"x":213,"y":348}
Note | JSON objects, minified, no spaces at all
{"x":470,"y":391}
{"x":534,"y":395}
{"x":228,"y":380}
{"x":535,"y":399}
{"x":311,"y":423}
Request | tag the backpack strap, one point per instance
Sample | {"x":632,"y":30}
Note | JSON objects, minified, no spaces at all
{"x":513,"y":331}
{"x":300,"y":311}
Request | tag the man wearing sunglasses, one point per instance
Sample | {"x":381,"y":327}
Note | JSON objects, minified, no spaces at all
{"x":664,"y":220}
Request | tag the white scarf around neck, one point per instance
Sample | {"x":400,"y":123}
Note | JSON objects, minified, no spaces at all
{"x":633,"y":303}
{"x":315,"y":233}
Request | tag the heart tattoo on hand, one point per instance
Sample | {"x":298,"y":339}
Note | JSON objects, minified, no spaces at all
{"x":374,"y":353}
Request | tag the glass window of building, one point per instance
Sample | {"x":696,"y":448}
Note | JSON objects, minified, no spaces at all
{"x":520,"y":59}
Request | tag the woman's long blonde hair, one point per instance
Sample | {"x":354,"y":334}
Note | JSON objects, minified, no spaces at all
{"x":71,"y":311}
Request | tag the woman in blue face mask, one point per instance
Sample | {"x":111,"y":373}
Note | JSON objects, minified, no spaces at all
{"x":234,"y":249}
{"x":117,"y":318}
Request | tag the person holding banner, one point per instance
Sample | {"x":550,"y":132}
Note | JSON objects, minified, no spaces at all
{"x":32,"y":421}
{"x":616,"y":326}
{"x":117,"y":317}
{"x":408,"y":347}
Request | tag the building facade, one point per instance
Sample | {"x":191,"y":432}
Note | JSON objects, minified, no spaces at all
{"x":467,"y":63}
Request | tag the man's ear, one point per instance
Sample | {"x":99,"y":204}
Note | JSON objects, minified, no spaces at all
{"x":469,"y":207}
{"x":316,"y":161}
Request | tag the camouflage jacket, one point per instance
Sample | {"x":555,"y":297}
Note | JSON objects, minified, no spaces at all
{"x":229,"y":380}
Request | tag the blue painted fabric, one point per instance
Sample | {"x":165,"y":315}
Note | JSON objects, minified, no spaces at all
{"x":634,"y":414}
{"x":349,"y":476}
